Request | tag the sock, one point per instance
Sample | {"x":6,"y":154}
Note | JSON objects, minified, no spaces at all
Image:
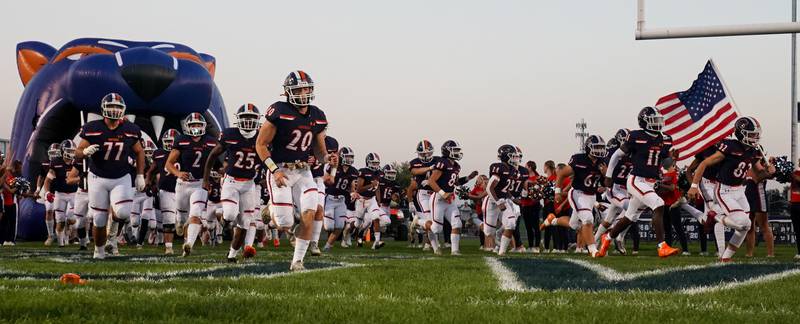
{"x":434,"y":241}
{"x":377,"y":237}
{"x":719,"y":236}
{"x":300,"y":248}
{"x":728,"y":253}
{"x":592,"y":248}
{"x":232,"y":253}
{"x":504,"y":242}
{"x":250,"y":236}
{"x":142,"y":232}
{"x":168,"y":245}
{"x":316,"y":230}
{"x":600,"y":231}
{"x":82,"y":236}
{"x":100,"y":249}
{"x":60,"y":237}
{"x":51,"y":228}
{"x":193,"y":230}
{"x":455,"y":240}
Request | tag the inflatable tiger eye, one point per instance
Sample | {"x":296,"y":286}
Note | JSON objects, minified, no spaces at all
{"x":161,"y":83}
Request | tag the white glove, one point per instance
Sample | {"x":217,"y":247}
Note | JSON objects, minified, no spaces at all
{"x":91,"y":149}
{"x":140,"y":182}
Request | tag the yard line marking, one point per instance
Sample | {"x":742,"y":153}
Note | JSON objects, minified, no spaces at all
{"x":508,"y":280}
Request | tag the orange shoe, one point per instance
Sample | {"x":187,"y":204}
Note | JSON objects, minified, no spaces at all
{"x":276,"y":243}
{"x":72,"y":279}
{"x":605,"y":243}
{"x":249,"y":252}
{"x":547,"y":221}
{"x":665,"y":251}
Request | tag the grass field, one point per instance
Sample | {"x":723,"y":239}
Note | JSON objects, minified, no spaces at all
{"x":395,"y":284}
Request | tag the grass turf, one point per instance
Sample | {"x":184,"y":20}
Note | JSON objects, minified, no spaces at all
{"x":395,"y":284}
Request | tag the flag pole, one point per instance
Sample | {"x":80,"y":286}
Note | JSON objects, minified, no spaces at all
{"x":725,"y":87}
{"x":793,"y":104}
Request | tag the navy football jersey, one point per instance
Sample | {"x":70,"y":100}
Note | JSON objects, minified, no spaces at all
{"x":647,"y":152}
{"x":264,"y":194}
{"x":111,"y":160}
{"x":417,"y":163}
{"x":386,"y":190}
{"x":586,"y":174}
{"x":166,"y":181}
{"x":342,"y":182}
{"x":82,"y":183}
{"x":711,"y":171}
{"x":317,"y":169}
{"x":295,"y":132}
{"x":367,"y":175}
{"x":506,"y":174}
{"x":59,"y":184}
{"x":620,"y":174}
{"x":738,"y":159}
{"x":43,"y":170}
{"x":449,"y":178}
{"x":240,"y":152}
{"x":194,"y":153}
{"x":519,"y":181}
{"x":216,"y":190}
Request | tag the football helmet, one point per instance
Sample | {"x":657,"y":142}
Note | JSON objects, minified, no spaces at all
{"x":425,"y":151}
{"x":194,"y":125}
{"x":149,"y":148}
{"x":373,"y":161}
{"x":346,"y":156}
{"x":451,"y":149}
{"x":113,"y":106}
{"x":68,"y":149}
{"x":651,"y":120}
{"x":389,"y":172}
{"x":748,"y":131}
{"x":612,"y":145}
{"x":247,"y":117}
{"x":331,"y":144}
{"x":54,"y":151}
{"x":292,"y":85}
{"x":595,"y":146}
{"x":507,"y":154}
{"x":622,"y":136}
{"x":168,"y":139}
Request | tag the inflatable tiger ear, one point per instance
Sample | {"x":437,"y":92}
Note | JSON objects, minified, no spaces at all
{"x":210,"y":62}
{"x":31,"y":57}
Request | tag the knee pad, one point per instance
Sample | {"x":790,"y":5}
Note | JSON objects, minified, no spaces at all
{"x":230,"y":211}
{"x":61,"y":216}
{"x":100,"y":219}
{"x":122,"y":210}
{"x":489,"y":230}
{"x":168,"y":218}
{"x":436,"y":228}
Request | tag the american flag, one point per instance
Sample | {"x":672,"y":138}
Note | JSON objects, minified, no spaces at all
{"x":700,"y":116}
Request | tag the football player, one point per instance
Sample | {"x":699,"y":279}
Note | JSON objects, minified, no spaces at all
{"x":367,"y":210}
{"x":707,"y":187}
{"x":143,"y":201}
{"x":443,"y":181}
{"x":165,"y":183}
{"x":77,"y":177}
{"x":496,"y":206}
{"x":239,"y":193}
{"x":647,"y":148}
{"x":586,"y":170}
{"x":617,"y":195}
{"x":520,"y":183}
{"x":284,"y":144}
{"x":64,"y":193}
{"x":338,"y":188}
{"x":387,"y":188}
{"x":421,"y":168}
{"x":186,"y":162}
{"x":322,"y":172}
{"x":734,"y":157}
{"x":107,"y":144}
{"x":53,"y":154}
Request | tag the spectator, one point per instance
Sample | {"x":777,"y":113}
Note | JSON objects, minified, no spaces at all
{"x":8,"y":220}
{"x":795,"y":209}
{"x":668,"y":190}
{"x":530,"y":211}
{"x":548,"y":208}
{"x":477,"y":194}
{"x":756,"y":192}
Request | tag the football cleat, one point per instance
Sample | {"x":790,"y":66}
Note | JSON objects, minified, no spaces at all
{"x":665,"y":251}
{"x":619,"y":245}
{"x":276,"y":243}
{"x":168,"y":251}
{"x":99,"y":254}
{"x":725,"y":260}
{"x":186,"y":250}
{"x":249,"y":252}
{"x":232,"y":260}
{"x":297,"y":266}
{"x":49,"y":241}
{"x":314,"y":249}
{"x":377,"y":245}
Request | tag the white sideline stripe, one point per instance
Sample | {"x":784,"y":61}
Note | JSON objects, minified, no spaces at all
{"x":507,"y":279}
{"x":736,"y":284}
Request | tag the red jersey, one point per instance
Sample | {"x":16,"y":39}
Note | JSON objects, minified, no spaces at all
{"x":795,"y":189}
{"x":670,"y":197}
{"x":8,"y":197}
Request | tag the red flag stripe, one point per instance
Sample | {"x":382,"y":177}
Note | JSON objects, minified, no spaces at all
{"x":709,"y":120}
{"x":677,"y":117}
{"x":669,"y":109}
{"x":721,"y":126}
{"x":667,"y":98}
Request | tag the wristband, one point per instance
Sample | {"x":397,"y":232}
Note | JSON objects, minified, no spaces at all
{"x":694,"y":185}
{"x":441,"y":192}
{"x":271,"y":166}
